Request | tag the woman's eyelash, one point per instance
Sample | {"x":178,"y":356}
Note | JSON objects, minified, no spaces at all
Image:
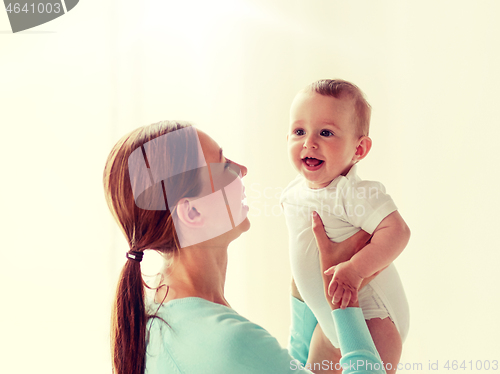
{"x":227,"y":164}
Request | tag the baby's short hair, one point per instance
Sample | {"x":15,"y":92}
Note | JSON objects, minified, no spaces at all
{"x":339,"y":88}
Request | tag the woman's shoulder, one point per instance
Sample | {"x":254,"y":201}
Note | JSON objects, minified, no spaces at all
{"x":202,"y":336}
{"x":192,"y":314}
{"x":200,"y":316}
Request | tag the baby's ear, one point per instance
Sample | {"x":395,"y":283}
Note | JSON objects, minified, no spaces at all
{"x":364,"y":146}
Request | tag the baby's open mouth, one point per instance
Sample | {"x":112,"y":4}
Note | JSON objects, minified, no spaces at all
{"x":312,"y":162}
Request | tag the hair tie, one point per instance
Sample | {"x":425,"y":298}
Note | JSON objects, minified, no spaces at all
{"x":135,"y":255}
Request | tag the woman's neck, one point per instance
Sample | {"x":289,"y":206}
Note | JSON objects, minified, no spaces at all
{"x":195,"y":272}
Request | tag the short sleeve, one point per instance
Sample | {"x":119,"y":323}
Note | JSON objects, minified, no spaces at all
{"x":366,"y":204}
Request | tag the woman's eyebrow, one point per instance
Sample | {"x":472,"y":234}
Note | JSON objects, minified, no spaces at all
{"x":220,"y":155}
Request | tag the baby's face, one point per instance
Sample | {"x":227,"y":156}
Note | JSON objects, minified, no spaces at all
{"x":321,"y":140}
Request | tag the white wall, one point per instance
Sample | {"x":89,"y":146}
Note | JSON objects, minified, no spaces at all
{"x":70,"y":88}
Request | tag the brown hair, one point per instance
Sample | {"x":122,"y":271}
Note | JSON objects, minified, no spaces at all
{"x":339,"y":88}
{"x":143,"y":229}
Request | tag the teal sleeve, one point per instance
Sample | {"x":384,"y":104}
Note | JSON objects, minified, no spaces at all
{"x":359,"y":355}
{"x":203,"y":337}
{"x":249,"y":349}
{"x":301,"y":330}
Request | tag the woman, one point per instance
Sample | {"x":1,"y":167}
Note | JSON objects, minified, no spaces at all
{"x":165,"y":193}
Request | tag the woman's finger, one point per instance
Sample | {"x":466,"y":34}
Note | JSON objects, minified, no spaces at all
{"x":322,"y":240}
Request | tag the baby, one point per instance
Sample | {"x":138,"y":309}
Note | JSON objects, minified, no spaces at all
{"x":328,"y":135}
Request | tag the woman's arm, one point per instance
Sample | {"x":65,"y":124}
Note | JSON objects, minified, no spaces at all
{"x":332,"y":254}
{"x":303,"y":320}
{"x":358,"y":350}
{"x":302,"y":327}
{"x":359,"y":354}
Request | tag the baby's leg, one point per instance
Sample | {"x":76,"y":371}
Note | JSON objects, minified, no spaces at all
{"x":323,"y":356}
{"x":387,"y":340}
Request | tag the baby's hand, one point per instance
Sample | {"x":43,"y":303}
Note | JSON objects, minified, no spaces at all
{"x":345,"y":284}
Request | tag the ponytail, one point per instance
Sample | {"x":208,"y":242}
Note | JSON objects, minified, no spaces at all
{"x":128,"y":324}
{"x":143,"y":229}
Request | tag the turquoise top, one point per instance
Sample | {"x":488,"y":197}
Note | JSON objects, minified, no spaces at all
{"x":301,"y":330}
{"x":204,"y":337}
{"x":359,"y":355}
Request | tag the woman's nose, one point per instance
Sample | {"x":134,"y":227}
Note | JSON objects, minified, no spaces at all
{"x":243,"y":169}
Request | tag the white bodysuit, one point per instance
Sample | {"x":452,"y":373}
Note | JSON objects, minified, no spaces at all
{"x":347,"y":205}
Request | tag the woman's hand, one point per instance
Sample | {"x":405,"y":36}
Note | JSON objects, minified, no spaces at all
{"x":332,"y":254}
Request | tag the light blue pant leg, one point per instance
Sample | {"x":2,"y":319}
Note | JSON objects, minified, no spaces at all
{"x":303,"y":324}
{"x":359,"y":355}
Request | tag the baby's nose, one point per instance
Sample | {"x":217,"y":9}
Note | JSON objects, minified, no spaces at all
{"x":309,"y":142}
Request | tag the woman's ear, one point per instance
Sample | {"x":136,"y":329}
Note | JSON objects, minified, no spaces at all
{"x":364,"y":146}
{"x":188,"y":214}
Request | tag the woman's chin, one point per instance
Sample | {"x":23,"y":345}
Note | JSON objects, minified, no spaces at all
{"x":244,"y":225}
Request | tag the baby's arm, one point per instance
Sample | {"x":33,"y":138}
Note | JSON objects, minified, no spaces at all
{"x":388,"y":241}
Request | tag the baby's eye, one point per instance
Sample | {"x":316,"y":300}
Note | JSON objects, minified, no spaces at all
{"x":326,"y":133}
{"x":299,"y":132}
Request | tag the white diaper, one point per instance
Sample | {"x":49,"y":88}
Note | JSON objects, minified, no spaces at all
{"x":383,"y":297}
{"x":371,"y":304}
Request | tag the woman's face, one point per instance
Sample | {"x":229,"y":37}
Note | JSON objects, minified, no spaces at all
{"x":225,"y":178}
